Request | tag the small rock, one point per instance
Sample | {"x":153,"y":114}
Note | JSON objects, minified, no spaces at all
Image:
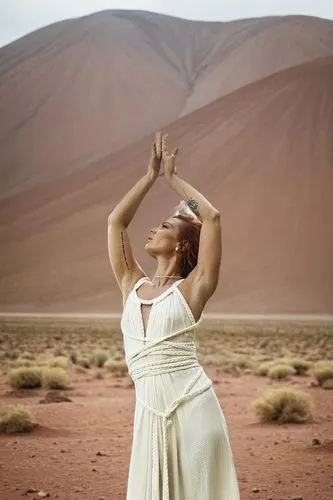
{"x":316,"y":442}
{"x":297,"y":498}
{"x":43,"y":494}
{"x":101,"y":454}
{"x":94,"y":470}
{"x":255,"y":490}
{"x":30,"y":490}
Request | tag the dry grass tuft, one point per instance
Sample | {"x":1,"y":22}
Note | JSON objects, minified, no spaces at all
{"x":323,"y":371}
{"x":25,"y":378}
{"x":58,"y":362}
{"x":279,"y":372}
{"x":99,"y":358}
{"x":116,"y":367}
{"x":301,"y":365}
{"x":21,"y":362}
{"x":264,"y":368}
{"x":54,"y":378}
{"x":283,"y":405}
{"x":15,"y":418}
{"x":73,"y":357}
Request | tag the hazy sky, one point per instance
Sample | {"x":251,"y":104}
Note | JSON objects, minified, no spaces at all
{"x":18,"y":17}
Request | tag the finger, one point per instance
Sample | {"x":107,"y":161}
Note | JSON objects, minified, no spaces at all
{"x":164,"y":143}
{"x":174,"y":153}
{"x":158,"y":142}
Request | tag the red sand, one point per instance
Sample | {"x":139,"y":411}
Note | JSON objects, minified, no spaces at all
{"x":60,"y":456}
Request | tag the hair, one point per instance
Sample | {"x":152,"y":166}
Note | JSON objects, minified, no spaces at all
{"x":190,"y":232}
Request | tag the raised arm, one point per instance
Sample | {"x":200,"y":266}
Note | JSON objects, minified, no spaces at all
{"x":124,"y":265}
{"x":203,"y":279}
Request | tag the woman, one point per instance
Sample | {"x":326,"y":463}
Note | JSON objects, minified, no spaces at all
{"x":180,"y":448}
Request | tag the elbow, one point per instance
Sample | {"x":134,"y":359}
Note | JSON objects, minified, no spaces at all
{"x":214,"y":215}
{"x":114,"y":220}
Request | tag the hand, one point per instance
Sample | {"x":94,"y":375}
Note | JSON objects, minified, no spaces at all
{"x":169,"y":159}
{"x":155,"y":157}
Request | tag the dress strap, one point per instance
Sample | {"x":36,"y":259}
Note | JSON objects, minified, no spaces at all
{"x":176,"y":283}
{"x":139,"y":282}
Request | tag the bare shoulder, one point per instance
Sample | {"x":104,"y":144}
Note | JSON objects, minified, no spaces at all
{"x":194,"y":295}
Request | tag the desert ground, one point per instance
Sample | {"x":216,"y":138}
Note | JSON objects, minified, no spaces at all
{"x":80,"y":448}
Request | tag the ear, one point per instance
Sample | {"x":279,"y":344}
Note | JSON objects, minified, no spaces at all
{"x":184,"y":246}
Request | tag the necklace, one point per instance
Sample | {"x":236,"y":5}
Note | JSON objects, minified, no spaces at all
{"x":156,"y":276}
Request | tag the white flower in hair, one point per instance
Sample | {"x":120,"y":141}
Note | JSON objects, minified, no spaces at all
{"x":183,"y":208}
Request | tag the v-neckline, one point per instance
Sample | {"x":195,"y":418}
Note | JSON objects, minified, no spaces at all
{"x":155,"y":299}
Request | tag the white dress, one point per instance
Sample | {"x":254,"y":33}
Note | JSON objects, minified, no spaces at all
{"x":180,"y":448}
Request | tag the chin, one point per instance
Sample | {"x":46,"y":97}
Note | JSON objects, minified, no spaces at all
{"x":149,"y":250}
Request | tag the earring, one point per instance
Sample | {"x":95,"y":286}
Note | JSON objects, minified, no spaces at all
{"x":177,"y":248}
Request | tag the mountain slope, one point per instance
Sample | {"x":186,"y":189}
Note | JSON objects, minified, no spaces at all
{"x":75,"y":91}
{"x":263,"y":155}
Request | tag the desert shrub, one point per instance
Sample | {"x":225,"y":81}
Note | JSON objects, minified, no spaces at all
{"x":19,"y":362}
{"x":117,"y":367}
{"x":264,"y":367}
{"x":84,"y":362}
{"x":58,"y":362}
{"x":15,"y":418}
{"x":98,"y":358}
{"x":278,"y":372}
{"x":322,"y":371}
{"x":301,"y":365}
{"x":242,"y":362}
{"x":328,"y":384}
{"x":73,"y":357}
{"x":54,"y":378}
{"x":118,"y":356}
{"x":283,"y":405}
{"x":25,"y":378}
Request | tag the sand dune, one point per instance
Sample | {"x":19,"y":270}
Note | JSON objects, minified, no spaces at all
{"x":78,"y":90}
{"x":262,"y":154}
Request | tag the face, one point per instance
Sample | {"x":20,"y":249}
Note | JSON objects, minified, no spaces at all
{"x":163,"y":239}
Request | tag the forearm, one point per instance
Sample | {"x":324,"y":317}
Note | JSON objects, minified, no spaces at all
{"x":125,"y":210}
{"x":193,"y":198}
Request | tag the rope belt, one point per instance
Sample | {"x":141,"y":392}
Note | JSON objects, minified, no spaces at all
{"x":168,"y":357}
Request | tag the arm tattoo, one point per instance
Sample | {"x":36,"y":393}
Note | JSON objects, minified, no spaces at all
{"x":123,"y":247}
{"x":192,"y":204}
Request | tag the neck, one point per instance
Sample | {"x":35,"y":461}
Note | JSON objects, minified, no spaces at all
{"x":166,"y":273}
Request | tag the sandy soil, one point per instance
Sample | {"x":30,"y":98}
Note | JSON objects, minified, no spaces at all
{"x":60,"y":457}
